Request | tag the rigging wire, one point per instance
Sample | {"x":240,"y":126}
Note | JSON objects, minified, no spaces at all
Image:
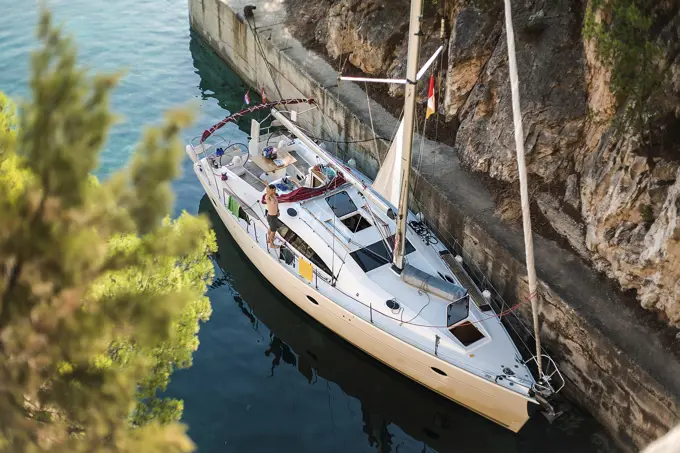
{"x":337,"y":142}
{"x":410,"y":322}
{"x":423,"y":136}
{"x":439,"y":84}
{"x":266,"y":62}
{"x":370,"y":116}
{"x":439,"y":93}
{"x":383,"y":237}
{"x":420,"y":158}
{"x":345,"y":142}
{"x":434,"y":326}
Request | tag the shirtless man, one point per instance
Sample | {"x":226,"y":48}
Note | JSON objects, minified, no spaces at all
{"x":272,"y":214}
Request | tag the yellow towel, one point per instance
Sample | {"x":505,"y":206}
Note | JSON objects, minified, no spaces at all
{"x":305,"y":269}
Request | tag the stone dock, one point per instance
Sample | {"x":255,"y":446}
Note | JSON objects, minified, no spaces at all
{"x":616,"y":368}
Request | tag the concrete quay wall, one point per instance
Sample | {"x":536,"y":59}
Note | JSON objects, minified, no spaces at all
{"x":616,"y":368}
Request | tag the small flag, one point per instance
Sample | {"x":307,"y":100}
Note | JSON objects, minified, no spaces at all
{"x":430,"y":99}
{"x":264,"y":96}
{"x":246,"y":98}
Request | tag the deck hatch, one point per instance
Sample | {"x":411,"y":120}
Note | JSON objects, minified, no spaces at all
{"x":377,"y":254}
{"x":467,"y":333}
{"x":458,"y":310}
{"x":341,"y":204}
{"x":356,"y":223}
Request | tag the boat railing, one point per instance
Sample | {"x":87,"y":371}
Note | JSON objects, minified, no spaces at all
{"x":551,"y":380}
{"x":246,"y":208}
{"x":384,"y":321}
{"x":518,"y":330}
{"x":255,"y":217}
{"x":204,"y":147}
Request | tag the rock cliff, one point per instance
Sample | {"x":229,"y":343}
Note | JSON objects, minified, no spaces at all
{"x":608,"y":186}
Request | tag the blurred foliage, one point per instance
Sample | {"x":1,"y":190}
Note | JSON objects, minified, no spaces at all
{"x":621,"y":32}
{"x":8,"y":122}
{"x":100,"y":294}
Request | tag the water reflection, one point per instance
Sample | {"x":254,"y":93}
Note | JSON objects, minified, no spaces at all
{"x":218,"y":81}
{"x":279,"y":350}
{"x":389,"y":402}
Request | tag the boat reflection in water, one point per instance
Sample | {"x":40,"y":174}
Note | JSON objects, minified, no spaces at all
{"x":386,"y":397}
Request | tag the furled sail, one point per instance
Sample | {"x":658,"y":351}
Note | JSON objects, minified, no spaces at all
{"x":388,"y":181}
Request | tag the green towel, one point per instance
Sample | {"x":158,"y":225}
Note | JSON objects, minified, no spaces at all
{"x":233,"y":206}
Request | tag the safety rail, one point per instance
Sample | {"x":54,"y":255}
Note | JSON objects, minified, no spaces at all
{"x":196,"y":143}
{"x":377,"y":317}
{"x":550,"y":373}
{"x":251,"y":212}
{"x":374,"y":316}
{"x":509,"y":317}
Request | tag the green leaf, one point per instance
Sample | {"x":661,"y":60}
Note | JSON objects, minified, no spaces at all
{"x":101,"y":294}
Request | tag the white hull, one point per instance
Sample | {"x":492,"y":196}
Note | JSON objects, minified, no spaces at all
{"x":503,"y":406}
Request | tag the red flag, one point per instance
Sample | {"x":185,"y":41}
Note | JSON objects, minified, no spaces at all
{"x":264,"y":96}
{"x":246,"y":98}
{"x":430,"y":99}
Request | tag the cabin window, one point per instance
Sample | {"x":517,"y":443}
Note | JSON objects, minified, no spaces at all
{"x":356,"y":222}
{"x":341,"y":204}
{"x":378,"y":254}
{"x":304,"y":249}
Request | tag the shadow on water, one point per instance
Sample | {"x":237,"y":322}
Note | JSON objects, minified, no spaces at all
{"x":386,"y":397}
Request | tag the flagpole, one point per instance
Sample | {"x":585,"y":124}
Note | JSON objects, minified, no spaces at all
{"x":431,"y":110}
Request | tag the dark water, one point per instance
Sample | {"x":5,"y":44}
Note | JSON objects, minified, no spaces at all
{"x":266,"y":377}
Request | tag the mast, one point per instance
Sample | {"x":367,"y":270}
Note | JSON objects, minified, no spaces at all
{"x":521,"y":169}
{"x":409,"y":116}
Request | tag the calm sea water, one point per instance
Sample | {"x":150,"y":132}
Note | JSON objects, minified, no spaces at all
{"x":266,"y":377}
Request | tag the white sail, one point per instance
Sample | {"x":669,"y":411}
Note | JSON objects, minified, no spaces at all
{"x":388,"y":181}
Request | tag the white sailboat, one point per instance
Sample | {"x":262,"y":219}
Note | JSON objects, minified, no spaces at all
{"x":354,"y":258}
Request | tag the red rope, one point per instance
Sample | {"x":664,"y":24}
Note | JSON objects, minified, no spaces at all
{"x":499,"y":315}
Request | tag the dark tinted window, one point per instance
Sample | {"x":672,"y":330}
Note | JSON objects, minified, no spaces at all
{"x":303,"y":248}
{"x":377,"y":254}
{"x":458,"y":310}
{"x":341,"y":204}
{"x":356,"y":223}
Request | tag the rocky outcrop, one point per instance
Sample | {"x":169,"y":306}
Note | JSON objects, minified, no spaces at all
{"x":474,"y":36}
{"x":610,"y":193}
{"x":366,"y":32}
{"x":630,"y":207}
{"x":552,"y":90}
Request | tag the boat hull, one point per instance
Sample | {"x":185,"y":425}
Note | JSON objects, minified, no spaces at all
{"x":502,"y":406}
